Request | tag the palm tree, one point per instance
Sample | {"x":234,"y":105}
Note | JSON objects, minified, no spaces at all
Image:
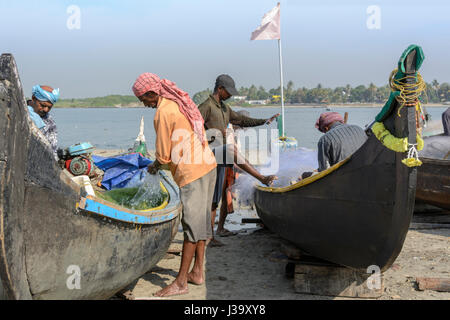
{"x":290,"y":91}
{"x":435,"y":85}
{"x":372,"y":92}
{"x":348,"y":92}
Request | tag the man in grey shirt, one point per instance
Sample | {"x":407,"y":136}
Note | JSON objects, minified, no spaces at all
{"x":339,"y":141}
{"x":446,"y":122}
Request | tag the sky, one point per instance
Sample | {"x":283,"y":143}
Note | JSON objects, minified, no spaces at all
{"x":333,"y":43}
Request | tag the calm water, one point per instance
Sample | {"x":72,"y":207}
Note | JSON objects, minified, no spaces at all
{"x":115,"y":128}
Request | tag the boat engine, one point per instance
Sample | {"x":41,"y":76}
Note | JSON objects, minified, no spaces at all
{"x":79,"y":166}
{"x":77,"y":159}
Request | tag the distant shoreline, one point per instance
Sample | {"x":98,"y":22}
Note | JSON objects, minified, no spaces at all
{"x":339,"y":105}
{"x":331,"y":106}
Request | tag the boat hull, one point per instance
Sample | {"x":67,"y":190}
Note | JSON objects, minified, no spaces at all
{"x":353,"y":216}
{"x":433,"y":183}
{"x":108,"y":254}
{"x":49,"y":247}
{"x":357,"y":213}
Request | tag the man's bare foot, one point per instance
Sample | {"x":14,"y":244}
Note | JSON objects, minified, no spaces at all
{"x":268,"y":180}
{"x":172,"y":289}
{"x":215,"y":243}
{"x":195,"y":278}
{"x":224,"y":232}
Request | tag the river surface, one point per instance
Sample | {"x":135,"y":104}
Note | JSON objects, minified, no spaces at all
{"x":117,"y":128}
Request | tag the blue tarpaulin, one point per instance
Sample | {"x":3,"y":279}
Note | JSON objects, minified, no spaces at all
{"x":121,"y":170}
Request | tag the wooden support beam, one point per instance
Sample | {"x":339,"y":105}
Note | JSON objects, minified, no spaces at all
{"x":438,"y":218}
{"x":335,"y":281}
{"x":436,"y":284}
{"x":418,"y":226}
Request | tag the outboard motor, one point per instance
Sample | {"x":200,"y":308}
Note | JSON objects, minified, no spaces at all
{"x":78,"y":159}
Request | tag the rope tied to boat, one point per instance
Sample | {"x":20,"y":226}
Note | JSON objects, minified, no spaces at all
{"x":412,"y":159}
{"x":399,"y":144}
{"x":407,"y":88}
{"x":409,"y":92}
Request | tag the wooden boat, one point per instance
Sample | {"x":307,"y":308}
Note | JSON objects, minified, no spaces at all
{"x":357,"y":212}
{"x":56,"y":243}
{"x":433,"y":183}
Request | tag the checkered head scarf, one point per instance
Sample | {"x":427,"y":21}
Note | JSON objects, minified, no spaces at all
{"x":326,"y":119}
{"x":167,"y":89}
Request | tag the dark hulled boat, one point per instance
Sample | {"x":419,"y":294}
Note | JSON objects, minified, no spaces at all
{"x":357,"y":212}
{"x":54,"y":242}
{"x":433,"y":182}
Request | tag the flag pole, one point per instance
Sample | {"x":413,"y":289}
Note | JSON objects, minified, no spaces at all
{"x":281,"y":86}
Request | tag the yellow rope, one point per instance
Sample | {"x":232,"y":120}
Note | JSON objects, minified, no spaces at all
{"x":409,"y":96}
{"x":399,"y":144}
{"x":409,"y":92}
{"x":391,"y":142}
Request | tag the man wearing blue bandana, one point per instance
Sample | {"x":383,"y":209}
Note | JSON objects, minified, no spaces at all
{"x":42,"y":102}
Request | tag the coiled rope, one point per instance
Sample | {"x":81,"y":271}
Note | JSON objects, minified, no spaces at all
{"x":409,"y":96}
{"x":409,"y":92}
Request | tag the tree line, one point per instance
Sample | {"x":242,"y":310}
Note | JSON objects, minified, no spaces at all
{"x":435,"y":93}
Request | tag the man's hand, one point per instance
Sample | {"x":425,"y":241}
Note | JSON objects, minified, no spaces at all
{"x":273,"y":118}
{"x":307,"y":174}
{"x":153,"y":167}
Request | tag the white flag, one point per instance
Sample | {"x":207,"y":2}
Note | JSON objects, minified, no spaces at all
{"x":270,"y":26}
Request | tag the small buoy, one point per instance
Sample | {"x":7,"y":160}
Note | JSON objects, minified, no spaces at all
{"x":287,"y":143}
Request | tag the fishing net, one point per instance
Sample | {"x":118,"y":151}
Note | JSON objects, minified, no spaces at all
{"x":292,"y":163}
{"x":288,"y":168}
{"x":146,"y":195}
{"x":436,"y":147}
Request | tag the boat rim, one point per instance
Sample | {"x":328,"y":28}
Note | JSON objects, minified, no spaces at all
{"x":306,"y":181}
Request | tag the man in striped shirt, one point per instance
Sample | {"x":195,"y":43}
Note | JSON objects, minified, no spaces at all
{"x":339,"y":141}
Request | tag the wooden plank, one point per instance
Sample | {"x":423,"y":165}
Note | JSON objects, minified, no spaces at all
{"x":335,"y":281}
{"x":417,"y":226}
{"x":438,"y":218}
{"x":421,"y":208}
{"x":436,"y":284}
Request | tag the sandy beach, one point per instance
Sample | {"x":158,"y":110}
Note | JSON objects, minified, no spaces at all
{"x":251,"y":266}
